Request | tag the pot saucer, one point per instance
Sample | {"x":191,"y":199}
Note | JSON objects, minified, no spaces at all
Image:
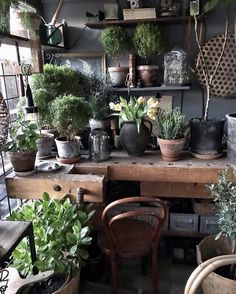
{"x":206,"y":156}
{"x":170,"y":158}
{"x":25,"y":174}
{"x":68,"y":160}
{"x":48,"y":166}
{"x":44,"y":157}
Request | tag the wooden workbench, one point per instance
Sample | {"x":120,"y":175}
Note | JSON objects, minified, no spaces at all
{"x":185,"y":178}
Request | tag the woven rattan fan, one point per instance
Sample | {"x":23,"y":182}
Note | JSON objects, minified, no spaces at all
{"x":224,"y":82}
{"x":4,"y":120}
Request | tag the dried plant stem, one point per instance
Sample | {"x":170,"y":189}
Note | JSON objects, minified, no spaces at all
{"x":209,"y":78}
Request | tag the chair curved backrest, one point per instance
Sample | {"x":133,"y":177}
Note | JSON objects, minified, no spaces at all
{"x":133,"y":208}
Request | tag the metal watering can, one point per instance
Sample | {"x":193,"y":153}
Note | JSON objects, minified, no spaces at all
{"x":51,"y":34}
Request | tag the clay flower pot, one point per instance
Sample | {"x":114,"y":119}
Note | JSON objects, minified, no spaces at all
{"x":171,"y":149}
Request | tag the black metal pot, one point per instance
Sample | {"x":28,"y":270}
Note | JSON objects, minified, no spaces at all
{"x":206,"y":136}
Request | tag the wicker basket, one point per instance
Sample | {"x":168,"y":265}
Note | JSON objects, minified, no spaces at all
{"x":214,"y":283}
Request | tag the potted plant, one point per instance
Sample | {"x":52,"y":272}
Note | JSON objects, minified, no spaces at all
{"x":171,"y":137}
{"x":206,"y":134}
{"x":61,"y":233}
{"x":69,"y":115}
{"x":21,"y":146}
{"x":5,"y":14}
{"x":224,"y":193}
{"x":148,"y":42}
{"x":53,"y":82}
{"x":134,"y":134}
{"x":115,"y":42}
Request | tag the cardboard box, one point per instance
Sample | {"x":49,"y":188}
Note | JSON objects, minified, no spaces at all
{"x":139,"y":13}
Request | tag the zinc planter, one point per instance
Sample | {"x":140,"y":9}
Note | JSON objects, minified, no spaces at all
{"x":206,"y":137}
{"x":148,"y":74}
{"x":231,"y":135}
{"x":171,"y":149}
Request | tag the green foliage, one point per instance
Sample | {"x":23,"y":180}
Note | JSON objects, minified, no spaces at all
{"x":170,"y":124}
{"x":53,"y":82}
{"x":210,"y":4}
{"x":23,"y":136}
{"x":135,"y":109}
{"x":98,"y":95}
{"x":69,"y":115}
{"x":115,"y":41}
{"x":148,"y":41}
{"x":224,"y":192}
{"x":5,"y":13}
{"x":61,"y":233}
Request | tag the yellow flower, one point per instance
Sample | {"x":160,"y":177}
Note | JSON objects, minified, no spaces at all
{"x":117,"y":107}
{"x":152,"y":114}
{"x":141,"y":100}
{"x":153,"y":103}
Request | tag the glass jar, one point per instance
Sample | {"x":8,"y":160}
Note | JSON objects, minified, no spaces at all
{"x":175,"y":67}
{"x":99,"y":145}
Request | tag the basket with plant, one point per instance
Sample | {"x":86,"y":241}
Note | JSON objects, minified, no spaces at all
{"x":171,"y":137}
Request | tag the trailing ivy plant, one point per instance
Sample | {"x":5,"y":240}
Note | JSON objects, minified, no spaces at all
{"x":61,"y":232}
{"x":170,"y":124}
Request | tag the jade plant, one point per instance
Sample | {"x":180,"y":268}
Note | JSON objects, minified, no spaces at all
{"x":170,"y":124}
{"x":61,"y":232}
{"x":115,"y":42}
{"x":148,"y":41}
{"x":53,"y":82}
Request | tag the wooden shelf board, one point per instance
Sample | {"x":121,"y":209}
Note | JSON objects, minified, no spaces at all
{"x":161,"y":20}
{"x":163,"y":88}
{"x":13,"y":37}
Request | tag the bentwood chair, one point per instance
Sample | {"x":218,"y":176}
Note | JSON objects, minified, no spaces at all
{"x":132,"y":230}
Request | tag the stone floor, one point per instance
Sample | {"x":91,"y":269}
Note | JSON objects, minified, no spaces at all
{"x":172,"y":278}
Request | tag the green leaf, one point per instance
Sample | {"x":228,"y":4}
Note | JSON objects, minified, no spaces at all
{"x":209,"y":5}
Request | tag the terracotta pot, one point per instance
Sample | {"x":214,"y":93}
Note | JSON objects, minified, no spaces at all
{"x":71,"y":286}
{"x":22,"y":161}
{"x":132,"y":142}
{"x":148,"y":74}
{"x":171,"y":149}
{"x":118,"y":75}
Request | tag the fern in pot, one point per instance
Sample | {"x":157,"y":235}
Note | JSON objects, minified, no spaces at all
{"x":70,"y":114}
{"x":115,"y":42}
{"x":171,"y":137}
{"x":148,"y":43}
{"x":62,"y":235}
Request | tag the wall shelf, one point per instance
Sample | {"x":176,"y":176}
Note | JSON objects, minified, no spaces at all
{"x":9,"y":39}
{"x":154,"y":89}
{"x":161,"y":20}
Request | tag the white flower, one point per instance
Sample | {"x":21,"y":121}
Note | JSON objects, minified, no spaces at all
{"x":117,"y":107}
{"x":111,"y":105}
{"x":141,"y":100}
{"x":153,"y":103}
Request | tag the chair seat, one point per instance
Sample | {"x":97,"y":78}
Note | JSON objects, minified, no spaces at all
{"x":128,"y":240}
{"x":11,"y":232}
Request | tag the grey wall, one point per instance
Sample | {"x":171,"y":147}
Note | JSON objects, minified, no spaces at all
{"x":73,"y":11}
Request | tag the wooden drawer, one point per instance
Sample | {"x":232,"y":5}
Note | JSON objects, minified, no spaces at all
{"x":209,"y":225}
{"x":184,"y":222}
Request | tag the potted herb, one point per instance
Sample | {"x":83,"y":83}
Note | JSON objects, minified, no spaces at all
{"x":206,"y":134}
{"x":224,"y":193}
{"x":171,"y":137}
{"x":22,"y":146}
{"x":53,"y":82}
{"x":61,"y":233}
{"x":148,"y":42}
{"x":69,"y":115}
{"x":134,"y":134}
{"x":115,"y":42}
